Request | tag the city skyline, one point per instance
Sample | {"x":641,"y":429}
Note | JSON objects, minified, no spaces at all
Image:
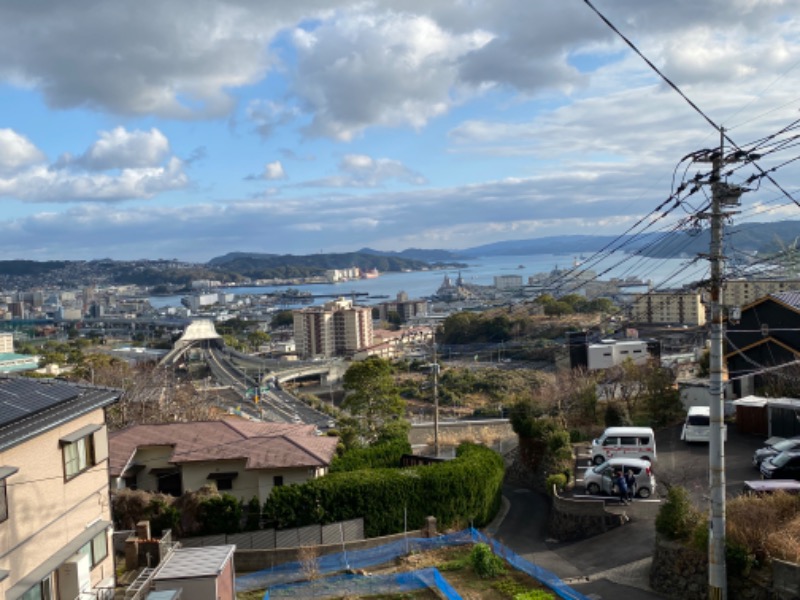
{"x":189,"y":130}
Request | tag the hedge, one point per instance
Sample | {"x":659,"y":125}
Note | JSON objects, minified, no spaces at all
{"x":382,"y":455}
{"x":463,"y":491}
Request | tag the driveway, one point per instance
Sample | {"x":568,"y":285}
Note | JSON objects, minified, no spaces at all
{"x":617,"y":564}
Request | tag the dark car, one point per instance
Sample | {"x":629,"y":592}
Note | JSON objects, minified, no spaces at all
{"x":785,"y":465}
{"x":774,"y":449}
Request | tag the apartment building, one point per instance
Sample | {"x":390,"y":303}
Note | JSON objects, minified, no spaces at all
{"x":407,"y":309}
{"x":741,"y":292}
{"x":6,"y":343}
{"x":336,"y":328}
{"x":55,"y":515}
{"x":669,"y":307}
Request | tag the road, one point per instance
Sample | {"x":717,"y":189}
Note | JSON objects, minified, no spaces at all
{"x":616,"y":564}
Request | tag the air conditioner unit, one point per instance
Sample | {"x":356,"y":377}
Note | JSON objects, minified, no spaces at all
{"x":74,"y":576}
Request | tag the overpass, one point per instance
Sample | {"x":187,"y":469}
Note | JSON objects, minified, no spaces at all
{"x":198,"y":334}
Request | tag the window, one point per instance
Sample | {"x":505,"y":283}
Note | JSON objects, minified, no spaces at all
{"x":223,"y":481}
{"x":277,"y":481}
{"x":629,"y":441}
{"x":97,"y":549}
{"x":41,"y":591}
{"x":3,"y":501}
{"x":78,"y":456}
{"x":83,"y":449}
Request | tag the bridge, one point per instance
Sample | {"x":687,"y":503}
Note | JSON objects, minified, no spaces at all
{"x":198,"y":334}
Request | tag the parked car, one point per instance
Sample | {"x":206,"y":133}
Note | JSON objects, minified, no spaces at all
{"x":600,"y":478}
{"x":761,"y":487}
{"x":775,"y":448}
{"x":621,"y":442}
{"x":785,"y":465}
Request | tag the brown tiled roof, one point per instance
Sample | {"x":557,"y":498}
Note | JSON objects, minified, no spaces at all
{"x":262,"y":445}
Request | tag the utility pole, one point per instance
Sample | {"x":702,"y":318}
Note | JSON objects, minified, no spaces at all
{"x":722,"y":195}
{"x":435,"y":398}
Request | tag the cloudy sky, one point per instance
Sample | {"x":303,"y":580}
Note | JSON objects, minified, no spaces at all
{"x":152,"y":129}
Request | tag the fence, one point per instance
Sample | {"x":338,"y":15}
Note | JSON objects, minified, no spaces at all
{"x":288,"y":580}
{"x":271,"y":539}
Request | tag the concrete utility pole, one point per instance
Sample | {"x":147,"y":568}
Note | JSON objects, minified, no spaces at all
{"x":722,"y":195}
{"x":435,"y":398}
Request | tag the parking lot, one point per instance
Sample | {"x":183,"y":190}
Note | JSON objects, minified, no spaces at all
{"x":686,"y":465}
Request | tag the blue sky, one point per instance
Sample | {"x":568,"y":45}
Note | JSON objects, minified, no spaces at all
{"x":186,"y":130}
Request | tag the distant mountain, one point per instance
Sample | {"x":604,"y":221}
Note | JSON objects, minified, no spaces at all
{"x":761,"y":238}
{"x":288,"y":266}
{"x":431,"y":256}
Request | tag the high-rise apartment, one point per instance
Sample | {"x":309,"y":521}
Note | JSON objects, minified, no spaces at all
{"x":336,"y":328}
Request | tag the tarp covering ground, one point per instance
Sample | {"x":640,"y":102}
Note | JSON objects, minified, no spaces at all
{"x":289,"y":580}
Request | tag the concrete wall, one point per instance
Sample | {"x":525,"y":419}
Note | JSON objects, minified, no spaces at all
{"x":579,"y":519}
{"x":45,"y":512}
{"x":256,"y":560}
{"x":489,"y":432}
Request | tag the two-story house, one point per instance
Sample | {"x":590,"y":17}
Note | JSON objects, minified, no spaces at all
{"x":243,"y":458}
{"x":55,"y":516}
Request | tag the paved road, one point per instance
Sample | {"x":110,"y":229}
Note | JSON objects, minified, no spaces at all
{"x":616,"y":564}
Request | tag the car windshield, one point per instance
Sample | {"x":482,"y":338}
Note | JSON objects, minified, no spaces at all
{"x":785,"y":445}
{"x":781,"y":459}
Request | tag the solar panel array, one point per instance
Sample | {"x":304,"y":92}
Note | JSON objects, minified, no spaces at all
{"x":21,"y":397}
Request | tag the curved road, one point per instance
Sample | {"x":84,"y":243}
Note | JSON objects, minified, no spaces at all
{"x":605,"y":567}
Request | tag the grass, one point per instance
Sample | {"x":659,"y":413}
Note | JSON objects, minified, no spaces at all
{"x":456,"y":567}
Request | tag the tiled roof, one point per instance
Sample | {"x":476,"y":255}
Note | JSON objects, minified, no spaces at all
{"x":791,"y":298}
{"x":262,"y":445}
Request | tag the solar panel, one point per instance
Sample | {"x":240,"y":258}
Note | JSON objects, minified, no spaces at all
{"x":20,"y":397}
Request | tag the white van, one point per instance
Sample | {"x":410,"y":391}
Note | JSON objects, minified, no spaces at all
{"x":624,"y":442}
{"x":697,"y":427}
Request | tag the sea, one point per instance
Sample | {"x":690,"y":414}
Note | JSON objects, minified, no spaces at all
{"x":660,"y":273}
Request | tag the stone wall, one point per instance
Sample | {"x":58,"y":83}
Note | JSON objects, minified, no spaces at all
{"x":681,"y":572}
{"x":572,"y":520}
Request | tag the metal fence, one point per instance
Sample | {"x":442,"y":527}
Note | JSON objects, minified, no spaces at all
{"x":272,"y":539}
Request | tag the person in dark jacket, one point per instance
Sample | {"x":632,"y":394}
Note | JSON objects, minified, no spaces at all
{"x":622,"y":486}
{"x":630,"y":481}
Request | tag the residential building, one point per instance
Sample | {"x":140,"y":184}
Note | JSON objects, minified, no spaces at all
{"x":741,"y":292}
{"x":200,"y":573}
{"x":610,"y":353}
{"x":337,"y":328}
{"x":407,"y":309}
{"x":508,"y":282}
{"x":55,"y":516}
{"x":241,"y":457}
{"x":673,"y":307}
{"x":6,"y":343}
{"x":764,"y":336}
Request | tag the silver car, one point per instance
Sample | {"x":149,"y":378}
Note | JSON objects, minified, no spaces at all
{"x":600,"y":479}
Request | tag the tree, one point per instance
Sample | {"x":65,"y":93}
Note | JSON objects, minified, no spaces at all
{"x":283,"y":318}
{"x":372,"y":397}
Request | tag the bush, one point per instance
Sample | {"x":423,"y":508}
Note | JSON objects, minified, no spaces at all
{"x":381,"y":455}
{"x":677,"y":518}
{"x":220,"y":514}
{"x":535,"y":595}
{"x":465,"y":490}
{"x":559,"y":480}
{"x":486,"y":563}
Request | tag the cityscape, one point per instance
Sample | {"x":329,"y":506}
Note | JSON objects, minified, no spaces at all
{"x":399,"y":300}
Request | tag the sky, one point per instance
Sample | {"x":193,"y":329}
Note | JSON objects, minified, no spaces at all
{"x":186,"y":130}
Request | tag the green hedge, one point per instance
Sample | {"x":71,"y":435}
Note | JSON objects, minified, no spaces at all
{"x":458,"y":493}
{"x":383,"y":455}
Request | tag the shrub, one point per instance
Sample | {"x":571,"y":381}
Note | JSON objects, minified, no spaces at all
{"x":677,"y":518}
{"x":535,"y":595}
{"x":220,"y":514}
{"x":486,"y":563}
{"x":559,"y":480}
{"x":465,"y":490}
{"x":162,"y":516}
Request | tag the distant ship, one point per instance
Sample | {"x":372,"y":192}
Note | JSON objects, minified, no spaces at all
{"x":371,"y":274}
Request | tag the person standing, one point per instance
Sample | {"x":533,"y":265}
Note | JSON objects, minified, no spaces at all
{"x":622,"y":486}
{"x":630,"y":481}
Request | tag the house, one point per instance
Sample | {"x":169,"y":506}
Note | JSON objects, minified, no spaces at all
{"x":765,"y":335}
{"x":55,"y":516}
{"x":243,"y":458}
{"x":200,"y":573}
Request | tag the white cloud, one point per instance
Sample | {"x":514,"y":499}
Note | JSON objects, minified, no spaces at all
{"x":139,"y":164}
{"x":362,"y":171}
{"x":274,"y":170}
{"x":389,"y":69}
{"x":17,"y":151}
{"x":119,"y":148}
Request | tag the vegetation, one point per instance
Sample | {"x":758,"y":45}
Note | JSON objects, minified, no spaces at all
{"x":456,"y":492}
{"x":677,"y":518}
{"x":486,"y":563}
{"x":384,"y":454}
{"x":373,"y":398}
